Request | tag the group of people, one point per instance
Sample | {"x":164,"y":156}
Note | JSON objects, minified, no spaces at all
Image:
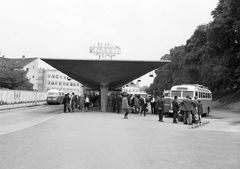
{"x":72,"y":102}
{"x":137,"y":104}
{"x":191,"y":109}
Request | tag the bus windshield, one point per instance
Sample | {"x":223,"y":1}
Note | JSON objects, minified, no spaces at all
{"x":189,"y":93}
{"x":176,"y":93}
{"x":52,"y":94}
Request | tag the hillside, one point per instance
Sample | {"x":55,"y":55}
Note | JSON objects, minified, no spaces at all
{"x":227,"y":100}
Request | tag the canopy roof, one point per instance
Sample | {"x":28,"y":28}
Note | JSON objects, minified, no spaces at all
{"x":115,"y":73}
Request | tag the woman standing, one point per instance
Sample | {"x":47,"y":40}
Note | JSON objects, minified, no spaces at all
{"x":125,"y":105}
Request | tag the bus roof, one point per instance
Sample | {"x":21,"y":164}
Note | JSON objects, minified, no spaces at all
{"x":191,"y":87}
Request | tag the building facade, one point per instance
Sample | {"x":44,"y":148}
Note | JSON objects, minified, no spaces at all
{"x":131,"y":87}
{"x":54,"y":79}
{"x":28,"y":64}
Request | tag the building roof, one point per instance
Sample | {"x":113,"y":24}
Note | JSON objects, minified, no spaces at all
{"x":93,"y":73}
{"x":17,"y":63}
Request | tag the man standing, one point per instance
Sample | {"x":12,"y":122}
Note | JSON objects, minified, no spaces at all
{"x":160,"y":108}
{"x":143,"y":105}
{"x":114,"y":103}
{"x":119,"y":103}
{"x":64,"y":103}
{"x":153,"y":103}
{"x":125,"y":105}
{"x":74,"y":102}
{"x":187,"y":103}
{"x":68,"y":107}
{"x":175,"y":107}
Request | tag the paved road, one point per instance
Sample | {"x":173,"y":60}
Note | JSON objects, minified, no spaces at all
{"x":106,"y":140}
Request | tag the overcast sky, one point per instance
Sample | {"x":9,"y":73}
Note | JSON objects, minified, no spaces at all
{"x":143,"y":29}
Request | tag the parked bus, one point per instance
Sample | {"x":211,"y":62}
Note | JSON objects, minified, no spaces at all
{"x":192,"y":90}
{"x":55,"y":96}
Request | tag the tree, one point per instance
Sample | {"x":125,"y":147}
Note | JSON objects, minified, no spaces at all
{"x":14,"y":79}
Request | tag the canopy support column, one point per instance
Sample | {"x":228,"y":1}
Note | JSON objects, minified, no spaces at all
{"x":104,"y":96}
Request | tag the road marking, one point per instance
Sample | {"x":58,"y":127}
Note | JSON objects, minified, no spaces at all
{"x":6,"y":130}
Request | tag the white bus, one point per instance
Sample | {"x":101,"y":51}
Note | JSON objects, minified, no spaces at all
{"x":55,"y":96}
{"x":192,"y":90}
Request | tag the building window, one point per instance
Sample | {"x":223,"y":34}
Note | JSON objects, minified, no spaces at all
{"x":52,"y":83}
{"x":56,"y":76}
{"x":33,"y":76}
{"x":64,"y":83}
{"x":49,"y":75}
{"x":27,"y":69}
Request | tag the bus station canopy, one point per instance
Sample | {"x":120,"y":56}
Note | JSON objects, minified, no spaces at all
{"x":114,"y":73}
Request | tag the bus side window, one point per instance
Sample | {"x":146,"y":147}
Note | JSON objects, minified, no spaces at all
{"x":196,"y":93}
{"x":204,"y":95}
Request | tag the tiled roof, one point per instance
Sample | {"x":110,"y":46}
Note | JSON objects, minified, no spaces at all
{"x":17,"y":63}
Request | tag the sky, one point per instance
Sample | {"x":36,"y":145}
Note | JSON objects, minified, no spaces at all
{"x":143,"y":29}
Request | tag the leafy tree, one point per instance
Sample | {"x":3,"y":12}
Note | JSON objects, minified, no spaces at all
{"x":14,"y":79}
{"x":224,"y":37}
{"x":211,"y":56}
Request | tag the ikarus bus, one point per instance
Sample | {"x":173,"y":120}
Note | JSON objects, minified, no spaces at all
{"x":202,"y":93}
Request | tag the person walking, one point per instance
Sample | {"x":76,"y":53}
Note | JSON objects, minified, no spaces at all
{"x":160,"y":107}
{"x":125,"y":105}
{"x":175,"y":107}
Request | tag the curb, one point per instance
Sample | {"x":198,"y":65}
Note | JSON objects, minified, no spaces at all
{"x":199,"y":125}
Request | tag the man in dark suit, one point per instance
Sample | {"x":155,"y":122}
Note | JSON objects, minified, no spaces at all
{"x":160,"y":108}
{"x":175,"y":107}
{"x":64,"y":103}
{"x":187,"y":104}
{"x":119,"y":103}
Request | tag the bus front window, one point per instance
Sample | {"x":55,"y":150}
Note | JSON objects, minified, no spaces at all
{"x":176,"y":93}
{"x":189,"y":93}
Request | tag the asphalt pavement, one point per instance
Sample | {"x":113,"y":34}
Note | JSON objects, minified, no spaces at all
{"x":106,"y":140}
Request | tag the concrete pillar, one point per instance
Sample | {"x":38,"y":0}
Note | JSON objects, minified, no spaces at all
{"x":104,"y":96}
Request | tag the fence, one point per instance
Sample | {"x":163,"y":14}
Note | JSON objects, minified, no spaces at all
{"x":21,"y":98}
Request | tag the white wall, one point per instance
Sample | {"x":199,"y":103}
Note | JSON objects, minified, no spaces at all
{"x":33,"y":73}
{"x":21,"y":98}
